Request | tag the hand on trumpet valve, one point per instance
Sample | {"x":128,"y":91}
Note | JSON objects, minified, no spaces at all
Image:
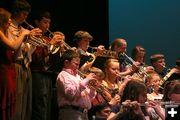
{"x":26,"y":32}
{"x":91,"y":76}
{"x":127,"y":78}
{"x":99,"y":50}
{"x":57,"y":39}
{"x":175,"y":70}
{"x":36,"y":32}
{"x":135,"y":66}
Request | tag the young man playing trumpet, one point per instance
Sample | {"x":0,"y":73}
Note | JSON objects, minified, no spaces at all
{"x":41,"y":74}
{"x":82,"y":40}
{"x":20,"y":10}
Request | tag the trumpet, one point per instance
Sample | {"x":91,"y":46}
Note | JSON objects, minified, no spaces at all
{"x":104,"y":53}
{"x":141,"y":71}
{"x":96,"y":85}
{"x":57,"y":47}
{"x":169,"y":73}
{"x":101,"y":89}
{"x":38,"y":41}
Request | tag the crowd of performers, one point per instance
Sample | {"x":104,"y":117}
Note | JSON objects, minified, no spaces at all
{"x":43,"y":78}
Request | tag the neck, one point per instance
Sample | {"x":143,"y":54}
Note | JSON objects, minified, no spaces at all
{"x":110,"y":80}
{"x":156,"y":92}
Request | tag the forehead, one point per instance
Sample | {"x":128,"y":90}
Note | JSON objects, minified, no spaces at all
{"x":24,"y":13}
{"x":113,"y":64}
{"x":161,"y":60}
{"x":85,"y":39}
{"x":75,"y":59}
{"x":121,"y":43}
{"x":44,"y":19}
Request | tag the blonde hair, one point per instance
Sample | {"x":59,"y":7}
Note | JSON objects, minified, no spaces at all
{"x":97,"y":71}
{"x":108,"y":61}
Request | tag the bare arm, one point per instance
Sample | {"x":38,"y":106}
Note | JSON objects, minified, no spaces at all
{"x":13,"y":44}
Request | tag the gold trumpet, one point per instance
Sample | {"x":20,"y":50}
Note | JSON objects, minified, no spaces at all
{"x":169,"y":73}
{"x":101,"y":89}
{"x":104,"y":53}
{"x":96,"y":85}
{"x":57,"y":46}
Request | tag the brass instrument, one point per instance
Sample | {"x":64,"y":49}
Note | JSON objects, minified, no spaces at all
{"x":57,"y":47}
{"x":38,"y":41}
{"x":96,"y":85}
{"x":141,"y":70}
{"x":165,"y":78}
{"x":105,"y":53}
{"x":101,"y":89}
{"x":169,"y":73}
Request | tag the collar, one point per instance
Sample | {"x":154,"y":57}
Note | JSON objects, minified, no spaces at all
{"x":70,"y":71}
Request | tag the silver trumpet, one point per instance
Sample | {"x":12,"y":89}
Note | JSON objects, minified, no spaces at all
{"x":38,"y":41}
{"x":141,"y":70}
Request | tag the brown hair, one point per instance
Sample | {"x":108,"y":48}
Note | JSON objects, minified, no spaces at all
{"x":151,"y":74}
{"x":19,"y":6}
{"x":108,"y":61}
{"x":170,"y":88}
{"x":136,"y":50}
{"x":4,"y":18}
{"x":67,"y":55}
{"x":156,"y":57}
{"x":133,"y":90}
{"x":97,"y":71}
{"x":117,"y":42}
{"x":79,"y":35}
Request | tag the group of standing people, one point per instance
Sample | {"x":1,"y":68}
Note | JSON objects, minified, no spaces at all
{"x":32,"y":62}
{"x":23,"y":61}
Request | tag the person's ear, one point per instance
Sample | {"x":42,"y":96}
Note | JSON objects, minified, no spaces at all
{"x":66,"y":62}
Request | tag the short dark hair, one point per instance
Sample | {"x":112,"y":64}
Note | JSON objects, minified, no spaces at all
{"x":68,"y":55}
{"x":156,"y":57}
{"x":39,"y":15}
{"x":20,"y":5}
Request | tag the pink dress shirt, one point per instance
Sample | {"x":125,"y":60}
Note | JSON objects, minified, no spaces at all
{"x":73,"y":90}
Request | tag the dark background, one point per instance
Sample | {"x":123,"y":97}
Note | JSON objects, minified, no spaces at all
{"x":69,"y":16}
{"x":153,"y":24}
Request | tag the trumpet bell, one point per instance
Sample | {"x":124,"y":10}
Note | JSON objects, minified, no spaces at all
{"x":54,"y":50}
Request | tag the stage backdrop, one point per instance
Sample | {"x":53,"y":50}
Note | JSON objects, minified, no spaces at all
{"x":154,"y":24}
